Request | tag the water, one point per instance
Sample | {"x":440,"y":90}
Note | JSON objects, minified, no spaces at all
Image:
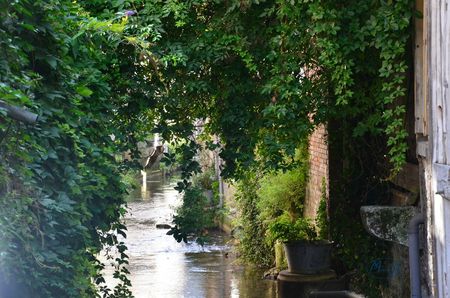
{"x":162,"y":268}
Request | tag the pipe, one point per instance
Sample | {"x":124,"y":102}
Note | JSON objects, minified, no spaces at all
{"x":217,"y":162}
{"x":19,"y":113}
{"x":414,"y":258}
{"x":333,"y":294}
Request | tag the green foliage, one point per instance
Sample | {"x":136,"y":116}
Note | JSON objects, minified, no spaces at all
{"x":129,"y":179}
{"x":281,"y":192}
{"x":322,"y":220}
{"x":61,"y":196}
{"x":252,"y":246}
{"x":281,"y":196}
{"x":357,"y":185}
{"x":268,"y":200}
{"x":193,"y":217}
{"x":205,"y":180}
{"x":261,"y":74}
{"x":285,"y":230}
{"x":264,"y":73}
{"x":183,"y":154}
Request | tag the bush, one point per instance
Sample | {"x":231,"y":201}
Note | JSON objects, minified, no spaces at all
{"x":130,"y":180}
{"x":322,"y":222}
{"x":252,"y":246}
{"x":205,"y":180}
{"x":61,"y":198}
{"x":266,"y":199}
{"x":284,"y":230}
{"x":282,"y":192}
{"x":193,"y":217}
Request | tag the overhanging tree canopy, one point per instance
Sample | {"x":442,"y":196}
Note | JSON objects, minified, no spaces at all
{"x":261,"y":73}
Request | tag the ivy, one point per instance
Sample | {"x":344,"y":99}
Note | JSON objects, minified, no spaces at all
{"x":252,"y":245}
{"x":260,"y":74}
{"x":61,"y":198}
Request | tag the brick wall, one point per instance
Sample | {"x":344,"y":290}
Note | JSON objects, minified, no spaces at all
{"x":318,"y":169}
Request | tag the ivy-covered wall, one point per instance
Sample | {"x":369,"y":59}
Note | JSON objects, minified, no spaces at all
{"x":61,"y":196}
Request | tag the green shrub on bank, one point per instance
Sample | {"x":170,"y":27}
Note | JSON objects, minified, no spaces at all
{"x":205,"y":179}
{"x":193,"y":217}
{"x":252,"y":246}
{"x":282,"y":192}
{"x":263,"y":199}
{"x":322,"y":218}
{"x":130,"y":180}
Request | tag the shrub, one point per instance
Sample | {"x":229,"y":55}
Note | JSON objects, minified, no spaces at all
{"x":205,"y":179}
{"x":193,"y":217}
{"x":322,"y":221}
{"x":252,"y":246}
{"x":284,"y":230}
{"x":281,"y":192}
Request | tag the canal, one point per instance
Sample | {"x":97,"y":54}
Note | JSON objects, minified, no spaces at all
{"x":162,"y":268}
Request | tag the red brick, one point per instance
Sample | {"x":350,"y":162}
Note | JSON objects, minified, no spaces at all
{"x":318,"y":150}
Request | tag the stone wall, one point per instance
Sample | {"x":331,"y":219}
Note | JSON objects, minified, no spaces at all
{"x":318,"y":170}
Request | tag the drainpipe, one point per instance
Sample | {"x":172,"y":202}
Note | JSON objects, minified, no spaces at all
{"x":217,"y":162}
{"x":333,"y":294}
{"x":18,"y":113}
{"x":414,"y":259}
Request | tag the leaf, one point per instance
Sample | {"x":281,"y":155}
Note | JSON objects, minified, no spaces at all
{"x":84,"y":91}
{"x":52,"y":61}
{"x":117,"y":28}
{"x":124,"y":235}
{"x":27,"y":26}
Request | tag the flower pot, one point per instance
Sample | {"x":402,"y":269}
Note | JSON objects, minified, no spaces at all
{"x":308,"y":257}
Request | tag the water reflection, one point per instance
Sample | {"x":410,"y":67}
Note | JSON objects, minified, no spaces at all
{"x":161,"y":267}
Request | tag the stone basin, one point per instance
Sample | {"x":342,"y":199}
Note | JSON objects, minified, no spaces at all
{"x":388,"y":222}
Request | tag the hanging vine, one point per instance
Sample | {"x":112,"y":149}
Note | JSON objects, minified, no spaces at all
{"x":61,"y":198}
{"x":264,"y":73}
{"x":261,"y":74}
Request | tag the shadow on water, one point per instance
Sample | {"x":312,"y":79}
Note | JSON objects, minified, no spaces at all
{"x":161,"y":267}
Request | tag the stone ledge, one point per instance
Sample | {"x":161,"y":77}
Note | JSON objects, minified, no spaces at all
{"x":388,"y":222}
{"x":442,"y":174}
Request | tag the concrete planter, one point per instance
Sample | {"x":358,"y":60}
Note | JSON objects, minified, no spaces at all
{"x":308,"y":257}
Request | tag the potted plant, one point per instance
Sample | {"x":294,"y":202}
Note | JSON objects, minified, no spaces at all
{"x":306,"y":253}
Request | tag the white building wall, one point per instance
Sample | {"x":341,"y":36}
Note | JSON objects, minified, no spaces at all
{"x":432,"y":69}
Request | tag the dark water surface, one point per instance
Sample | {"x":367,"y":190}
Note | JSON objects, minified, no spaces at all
{"x":160,"y":267}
